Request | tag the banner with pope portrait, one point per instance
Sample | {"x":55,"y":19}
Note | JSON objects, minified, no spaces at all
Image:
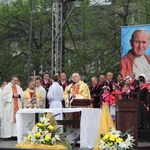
{"x":135,"y":55}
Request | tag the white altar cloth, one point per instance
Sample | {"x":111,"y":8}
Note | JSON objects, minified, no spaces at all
{"x":89,"y":123}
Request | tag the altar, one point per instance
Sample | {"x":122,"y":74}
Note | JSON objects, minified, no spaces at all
{"x":89,"y":123}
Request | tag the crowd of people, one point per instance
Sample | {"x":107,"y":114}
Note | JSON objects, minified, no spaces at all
{"x":58,"y":93}
{"x":110,"y":90}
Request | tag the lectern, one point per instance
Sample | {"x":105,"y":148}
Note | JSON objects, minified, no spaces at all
{"x":126,"y":116}
{"x":82,"y":103}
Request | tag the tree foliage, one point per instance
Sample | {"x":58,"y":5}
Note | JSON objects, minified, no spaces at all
{"x":92,"y":36}
{"x":14,"y":38}
{"x":96,"y":31}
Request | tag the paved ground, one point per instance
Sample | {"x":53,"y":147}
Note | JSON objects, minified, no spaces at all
{"x":11,"y":144}
{"x":7,"y":144}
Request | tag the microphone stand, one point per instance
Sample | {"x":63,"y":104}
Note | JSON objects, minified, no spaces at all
{"x":100,"y":93}
{"x":69,"y":98}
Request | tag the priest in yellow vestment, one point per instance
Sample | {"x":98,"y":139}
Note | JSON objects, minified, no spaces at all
{"x":31,"y":94}
{"x":77,"y":89}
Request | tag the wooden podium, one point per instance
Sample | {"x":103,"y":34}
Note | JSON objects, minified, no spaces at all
{"x":82,"y":103}
{"x":126,"y":116}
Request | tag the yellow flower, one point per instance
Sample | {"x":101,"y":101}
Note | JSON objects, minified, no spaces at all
{"x":38,"y":135}
{"x":50,"y":127}
{"x":40,"y":125}
{"x":106,"y":137}
{"x":47,"y":137}
{"x":112,"y":138}
{"x":119,"y":140}
{"x":29,"y":137}
{"x":110,"y":143}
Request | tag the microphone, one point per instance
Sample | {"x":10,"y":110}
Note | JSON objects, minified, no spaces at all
{"x":70,"y":99}
{"x":69,"y":91}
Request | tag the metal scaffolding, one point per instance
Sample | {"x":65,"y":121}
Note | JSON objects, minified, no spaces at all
{"x":57,"y":36}
{"x":57,"y":33}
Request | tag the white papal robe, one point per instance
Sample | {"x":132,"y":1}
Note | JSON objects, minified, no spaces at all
{"x":141,"y":66}
{"x":8,"y":127}
{"x":42,"y":91}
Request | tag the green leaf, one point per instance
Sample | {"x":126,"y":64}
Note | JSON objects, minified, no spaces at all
{"x":53,"y":117}
{"x":65,"y":143}
{"x":102,"y":135}
{"x":66,"y":133}
{"x":57,"y":129}
{"x":130,"y":131}
{"x":47,"y":143}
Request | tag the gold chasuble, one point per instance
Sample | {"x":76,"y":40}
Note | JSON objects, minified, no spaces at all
{"x":16,"y":107}
{"x":81,"y":89}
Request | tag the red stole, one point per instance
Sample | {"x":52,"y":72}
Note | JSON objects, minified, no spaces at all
{"x":16,"y":107}
{"x":76,"y":88}
{"x":31,"y":94}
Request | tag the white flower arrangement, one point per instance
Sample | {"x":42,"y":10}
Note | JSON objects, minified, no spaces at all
{"x":46,"y":132}
{"x":115,"y":140}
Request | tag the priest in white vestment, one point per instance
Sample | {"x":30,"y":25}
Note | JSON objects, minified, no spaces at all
{"x":1,"y":103}
{"x":41,"y":90}
{"x":55,"y":95}
{"x":12,"y":96}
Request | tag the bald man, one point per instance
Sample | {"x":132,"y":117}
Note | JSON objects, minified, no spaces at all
{"x":136,"y":60}
{"x":77,"y":89}
{"x":109,"y":80}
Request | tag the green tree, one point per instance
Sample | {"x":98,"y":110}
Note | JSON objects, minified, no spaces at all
{"x":96,"y":33}
{"x":92,"y":36}
{"x":14,"y":38}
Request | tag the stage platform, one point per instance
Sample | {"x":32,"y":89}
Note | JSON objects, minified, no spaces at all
{"x":144,"y":135}
{"x":144,"y":139}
